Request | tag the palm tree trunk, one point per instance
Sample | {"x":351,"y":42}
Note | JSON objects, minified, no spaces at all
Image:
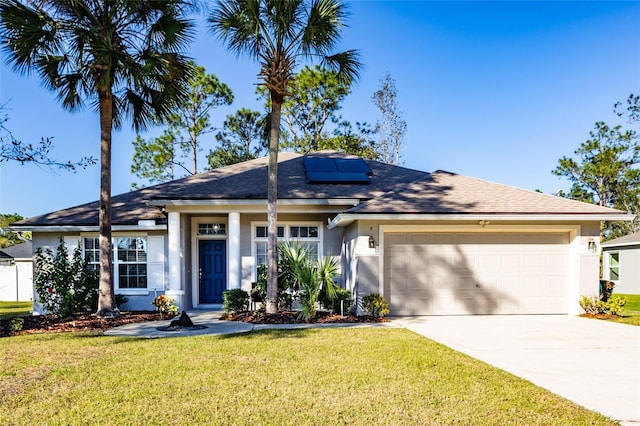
{"x":272,"y":207}
{"x":106,"y":295}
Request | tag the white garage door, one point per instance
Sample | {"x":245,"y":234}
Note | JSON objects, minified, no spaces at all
{"x":465,"y":273}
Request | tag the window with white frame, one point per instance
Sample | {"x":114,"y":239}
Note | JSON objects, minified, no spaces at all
{"x":613,"y":266}
{"x":305,"y":234}
{"x":129,"y":260}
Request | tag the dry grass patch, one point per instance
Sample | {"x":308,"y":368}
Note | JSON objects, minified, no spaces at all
{"x":301,"y":377}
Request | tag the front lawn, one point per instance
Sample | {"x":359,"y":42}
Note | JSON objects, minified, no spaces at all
{"x":333,"y":376}
{"x":15,"y":309}
{"x":631,"y":313}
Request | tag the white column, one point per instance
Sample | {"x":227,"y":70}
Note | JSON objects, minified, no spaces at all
{"x":175,"y":290}
{"x":233,"y":242}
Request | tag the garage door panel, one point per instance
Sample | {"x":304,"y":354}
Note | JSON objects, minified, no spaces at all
{"x":456,"y":273}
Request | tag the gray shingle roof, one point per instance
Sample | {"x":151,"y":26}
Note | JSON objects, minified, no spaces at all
{"x":627,"y":240}
{"x":19,"y":251}
{"x":393,"y":189}
{"x":445,"y":192}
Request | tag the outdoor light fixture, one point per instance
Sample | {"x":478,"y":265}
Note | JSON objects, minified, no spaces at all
{"x":372,"y":242}
{"x":591,"y":244}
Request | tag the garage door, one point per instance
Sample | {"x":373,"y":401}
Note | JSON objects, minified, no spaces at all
{"x":465,"y":273}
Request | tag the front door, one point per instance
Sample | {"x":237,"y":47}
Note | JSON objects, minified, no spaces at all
{"x":213,"y":270}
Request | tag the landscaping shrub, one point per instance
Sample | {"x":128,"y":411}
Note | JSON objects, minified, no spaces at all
{"x":16,"y":324}
{"x":165,"y":305}
{"x":342,"y":299}
{"x":376,"y":305}
{"x":594,"y":305}
{"x":235,"y":300}
{"x":64,"y":285}
{"x":308,"y":279}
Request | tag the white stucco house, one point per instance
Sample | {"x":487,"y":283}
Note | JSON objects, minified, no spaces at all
{"x":431,"y":243}
{"x":621,"y":263}
{"x":16,"y":273}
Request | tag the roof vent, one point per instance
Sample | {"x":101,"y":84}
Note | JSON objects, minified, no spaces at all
{"x":337,"y":170}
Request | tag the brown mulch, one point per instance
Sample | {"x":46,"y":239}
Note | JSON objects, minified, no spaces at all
{"x":42,"y":324}
{"x":600,"y":316}
{"x":39,"y":324}
{"x":291,"y":317}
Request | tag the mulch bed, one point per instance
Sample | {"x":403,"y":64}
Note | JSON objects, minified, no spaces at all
{"x":599,"y":316}
{"x":291,"y":317}
{"x":41,"y":324}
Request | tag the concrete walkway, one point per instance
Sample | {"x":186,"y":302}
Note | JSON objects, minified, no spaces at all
{"x":211,"y":324}
{"x":593,"y":363}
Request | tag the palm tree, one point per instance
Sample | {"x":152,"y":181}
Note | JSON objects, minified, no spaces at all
{"x":277,"y":34}
{"x":121,"y":56}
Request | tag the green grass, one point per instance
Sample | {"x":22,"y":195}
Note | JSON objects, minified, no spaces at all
{"x":304,"y":377}
{"x":631,"y":313}
{"x":15,"y":309}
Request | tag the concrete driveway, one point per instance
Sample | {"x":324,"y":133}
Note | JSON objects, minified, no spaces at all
{"x":593,"y":363}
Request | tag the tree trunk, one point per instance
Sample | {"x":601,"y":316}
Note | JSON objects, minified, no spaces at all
{"x":272,"y":200}
{"x":106,"y":295}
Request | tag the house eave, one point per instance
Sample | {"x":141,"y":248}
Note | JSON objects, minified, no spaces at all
{"x":345,"y":219}
{"x":85,"y":228}
{"x":630,"y":244}
{"x":256,"y":202}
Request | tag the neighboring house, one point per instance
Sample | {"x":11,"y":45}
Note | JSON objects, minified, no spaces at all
{"x":16,"y":273}
{"x":431,"y":243}
{"x":621,"y":263}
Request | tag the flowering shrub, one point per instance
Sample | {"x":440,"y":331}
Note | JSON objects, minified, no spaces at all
{"x":165,"y":305}
{"x":63,"y":283}
{"x":612,"y":306}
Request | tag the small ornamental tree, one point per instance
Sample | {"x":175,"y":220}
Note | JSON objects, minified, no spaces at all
{"x":63,"y":283}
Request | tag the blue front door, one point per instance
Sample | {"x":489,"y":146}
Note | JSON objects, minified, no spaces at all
{"x":213,"y":270}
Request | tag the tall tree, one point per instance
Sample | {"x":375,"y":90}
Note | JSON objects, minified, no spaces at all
{"x":631,"y":110}
{"x":244,"y":136}
{"x":8,"y":238}
{"x":277,"y":34}
{"x":344,"y":139}
{"x":154,"y":159}
{"x":315,"y":98}
{"x":606,"y":173}
{"x":157,"y":159}
{"x":12,"y":149}
{"x":122,"y":56}
{"x":391,"y":127}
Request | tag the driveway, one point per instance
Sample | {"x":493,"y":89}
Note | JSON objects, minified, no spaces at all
{"x":593,"y":363}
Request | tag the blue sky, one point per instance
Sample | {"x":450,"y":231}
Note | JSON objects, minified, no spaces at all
{"x":496,"y":90}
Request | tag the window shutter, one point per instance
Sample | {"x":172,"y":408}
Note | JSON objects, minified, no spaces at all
{"x":155,"y":263}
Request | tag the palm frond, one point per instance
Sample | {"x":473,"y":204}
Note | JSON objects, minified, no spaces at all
{"x":347,"y":64}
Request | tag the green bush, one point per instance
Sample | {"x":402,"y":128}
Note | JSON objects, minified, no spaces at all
{"x":16,"y":324}
{"x":235,"y":300}
{"x":64,"y":285}
{"x":612,"y":306}
{"x":342,"y":299}
{"x":376,"y":305}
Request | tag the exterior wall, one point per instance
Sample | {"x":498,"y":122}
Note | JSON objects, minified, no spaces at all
{"x":629,"y":282}
{"x":16,"y":281}
{"x":138,"y":299}
{"x":584,"y":264}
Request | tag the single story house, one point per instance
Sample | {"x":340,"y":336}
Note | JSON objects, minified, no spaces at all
{"x":621,"y":263}
{"x":16,"y":273}
{"x":431,"y":243}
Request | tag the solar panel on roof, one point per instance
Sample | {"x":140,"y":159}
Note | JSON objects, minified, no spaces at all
{"x":337,"y":170}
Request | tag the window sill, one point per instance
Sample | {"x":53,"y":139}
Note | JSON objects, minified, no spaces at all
{"x":132,"y":292}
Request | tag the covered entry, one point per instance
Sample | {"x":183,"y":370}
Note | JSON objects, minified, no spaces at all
{"x":451,"y":273}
